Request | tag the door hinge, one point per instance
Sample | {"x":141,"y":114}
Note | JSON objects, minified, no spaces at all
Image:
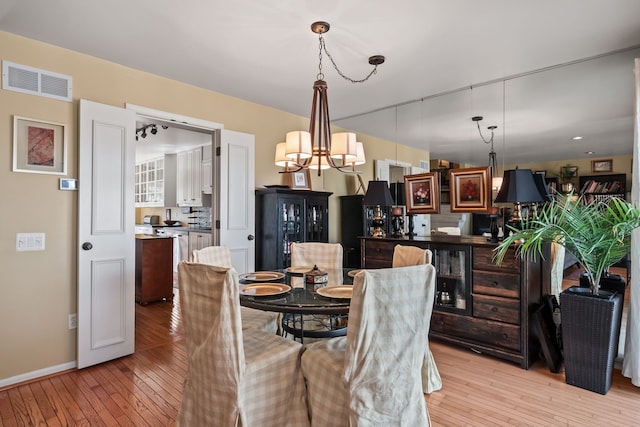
{"x":217,"y":151}
{"x":217,"y":224}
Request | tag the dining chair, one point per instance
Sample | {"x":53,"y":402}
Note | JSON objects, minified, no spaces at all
{"x":372,"y":376}
{"x":251,"y":318}
{"x":404,"y":256}
{"x":234,"y":376}
{"x":328,"y":258}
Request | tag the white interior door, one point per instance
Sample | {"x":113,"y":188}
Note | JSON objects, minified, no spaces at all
{"x":236,"y":202}
{"x":106,"y":253}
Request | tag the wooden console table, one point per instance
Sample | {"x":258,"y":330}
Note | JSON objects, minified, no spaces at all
{"x":478,"y":305}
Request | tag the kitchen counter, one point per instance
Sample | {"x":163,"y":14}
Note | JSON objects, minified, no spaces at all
{"x":151,"y":236}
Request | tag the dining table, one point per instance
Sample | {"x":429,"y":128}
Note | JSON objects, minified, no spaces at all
{"x":295,"y":300}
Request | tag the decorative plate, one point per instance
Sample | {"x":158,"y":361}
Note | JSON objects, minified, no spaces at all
{"x":264,"y":289}
{"x":341,"y":291}
{"x":261,"y":276}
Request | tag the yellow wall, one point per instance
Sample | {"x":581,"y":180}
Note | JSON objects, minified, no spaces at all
{"x":39,"y":288}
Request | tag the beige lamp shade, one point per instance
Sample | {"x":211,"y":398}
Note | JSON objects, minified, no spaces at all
{"x":360,"y":159}
{"x":324,"y":163}
{"x":343,"y":145}
{"x":298,"y":145}
{"x":281,"y":158}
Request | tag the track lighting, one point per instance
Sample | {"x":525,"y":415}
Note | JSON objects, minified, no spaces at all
{"x":153,"y":129}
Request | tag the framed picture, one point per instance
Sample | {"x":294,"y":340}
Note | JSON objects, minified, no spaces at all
{"x":300,"y":180}
{"x":39,"y":147}
{"x":470,"y":190}
{"x":422,"y":193}
{"x":568,"y":172}
{"x":602,"y":165}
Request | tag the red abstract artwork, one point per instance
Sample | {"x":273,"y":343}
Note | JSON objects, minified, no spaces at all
{"x":40,"y":146}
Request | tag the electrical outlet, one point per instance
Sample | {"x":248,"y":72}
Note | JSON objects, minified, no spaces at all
{"x":73,"y":321}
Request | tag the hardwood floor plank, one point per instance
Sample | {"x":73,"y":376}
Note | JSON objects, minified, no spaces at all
{"x":48,"y":413}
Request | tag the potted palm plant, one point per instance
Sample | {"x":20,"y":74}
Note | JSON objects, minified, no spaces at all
{"x":598,"y":235}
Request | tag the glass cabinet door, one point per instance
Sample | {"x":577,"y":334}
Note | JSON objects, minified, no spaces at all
{"x":453,"y":282}
{"x":292,"y":226}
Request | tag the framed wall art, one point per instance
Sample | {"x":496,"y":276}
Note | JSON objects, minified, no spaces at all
{"x":39,"y":147}
{"x":422,"y":193}
{"x":568,"y":172}
{"x":470,"y":189}
{"x":300,"y":180}
{"x":602,"y":165}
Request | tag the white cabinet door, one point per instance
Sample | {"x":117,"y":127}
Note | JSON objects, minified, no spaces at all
{"x":198,"y":240}
{"x":189,"y":180}
{"x":207,"y":170}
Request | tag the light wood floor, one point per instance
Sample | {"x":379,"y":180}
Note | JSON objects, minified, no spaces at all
{"x":145,"y":389}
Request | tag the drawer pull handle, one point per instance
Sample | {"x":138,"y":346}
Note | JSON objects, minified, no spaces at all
{"x":505,"y":336}
{"x":494,"y":309}
{"x":494,"y":284}
{"x":378,"y":249}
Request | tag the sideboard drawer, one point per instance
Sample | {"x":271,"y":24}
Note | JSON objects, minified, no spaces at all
{"x":483,"y":260}
{"x":378,"y":253}
{"x":497,"y":308}
{"x":473,"y":329}
{"x":497,"y":284}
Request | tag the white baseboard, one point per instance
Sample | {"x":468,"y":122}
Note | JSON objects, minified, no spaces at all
{"x":5,"y":382}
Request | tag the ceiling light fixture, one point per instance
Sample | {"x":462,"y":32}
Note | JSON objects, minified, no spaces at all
{"x":577,"y":138}
{"x":496,"y":181}
{"x":318,"y":148}
{"x":142,"y":132}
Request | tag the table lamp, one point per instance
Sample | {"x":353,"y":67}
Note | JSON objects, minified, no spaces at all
{"x":378,"y":195}
{"x":518,"y":186}
{"x":397,"y":220}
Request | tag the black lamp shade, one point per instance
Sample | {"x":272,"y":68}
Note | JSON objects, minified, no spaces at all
{"x":397,"y":193}
{"x":519,"y":186}
{"x":378,"y":194}
{"x":542,"y":187}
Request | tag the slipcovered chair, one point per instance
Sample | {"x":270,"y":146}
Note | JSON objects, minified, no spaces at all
{"x":234,"y":377}
{"x":372,"y":376}
{"x":328,"y":258}
{"x":404,"y":256}
{"x":251,"y":318}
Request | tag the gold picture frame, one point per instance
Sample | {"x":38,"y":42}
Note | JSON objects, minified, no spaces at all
{"x":605,"y":165}
{"x":470,"y":189}
{"x":422,"y":193}
{"x":39,"y":146}
{"x":300,"y":180}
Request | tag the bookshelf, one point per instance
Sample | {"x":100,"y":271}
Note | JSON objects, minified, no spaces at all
{"x":603,"y":187}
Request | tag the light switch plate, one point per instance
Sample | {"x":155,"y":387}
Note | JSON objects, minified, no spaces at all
{"x":30,"y":242}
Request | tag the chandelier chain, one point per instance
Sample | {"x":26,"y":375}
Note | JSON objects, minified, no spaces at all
{"x":324,"y":47}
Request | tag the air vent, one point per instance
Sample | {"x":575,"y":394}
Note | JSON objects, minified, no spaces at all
{"x":21,"y":78}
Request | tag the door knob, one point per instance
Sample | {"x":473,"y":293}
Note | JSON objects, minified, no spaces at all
{"x":250,"y":237}
{"x":87,"y":246}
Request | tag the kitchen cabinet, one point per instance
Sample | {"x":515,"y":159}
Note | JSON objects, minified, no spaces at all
{"x":478,"y":304}
{"x":207,"y":169}
{"x":155,"y":182}
{"x":189,"y":177}
{"x":284,"y":216}
{"x":199,"y":240}
{"x":154,"y":269}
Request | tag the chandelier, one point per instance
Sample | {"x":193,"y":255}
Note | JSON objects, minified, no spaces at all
{"x":317,"y":148}
{"x":496,"y":181}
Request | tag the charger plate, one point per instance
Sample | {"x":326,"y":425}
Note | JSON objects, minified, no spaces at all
{"x":261,"y":276}
{"x":265,"y":289}
{"x":341,"y":291}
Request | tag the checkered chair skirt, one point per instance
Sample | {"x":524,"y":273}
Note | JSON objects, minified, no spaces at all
{"x":404,"y":256}
{"x":234,"y":377}
{"x":372,"y":376}
{"x":327,"y":256}
{"x":251,"y":318}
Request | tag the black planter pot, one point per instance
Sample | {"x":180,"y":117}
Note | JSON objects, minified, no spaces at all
{"x":590,"y":333}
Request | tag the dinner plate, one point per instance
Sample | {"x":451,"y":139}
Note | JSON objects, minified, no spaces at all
{"x":265,"y":289}
{"x":262,"y":276}
{"x":352,"y":273}
{"x":299,"y":269}
{"x":341,"y":291}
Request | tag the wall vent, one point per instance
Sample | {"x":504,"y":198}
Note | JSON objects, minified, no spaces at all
{"x":21,"y":78}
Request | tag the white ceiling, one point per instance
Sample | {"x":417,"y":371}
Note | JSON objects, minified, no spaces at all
{"x":265,"y":52}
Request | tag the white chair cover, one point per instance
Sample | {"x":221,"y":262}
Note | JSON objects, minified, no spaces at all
{"x":251,"y":318}
{"x":371,"y":376}
{"x":234,"y":377}
{"x":404,"y":256}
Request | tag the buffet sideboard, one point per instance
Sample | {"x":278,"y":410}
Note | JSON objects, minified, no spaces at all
{"x":478,"y":305}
